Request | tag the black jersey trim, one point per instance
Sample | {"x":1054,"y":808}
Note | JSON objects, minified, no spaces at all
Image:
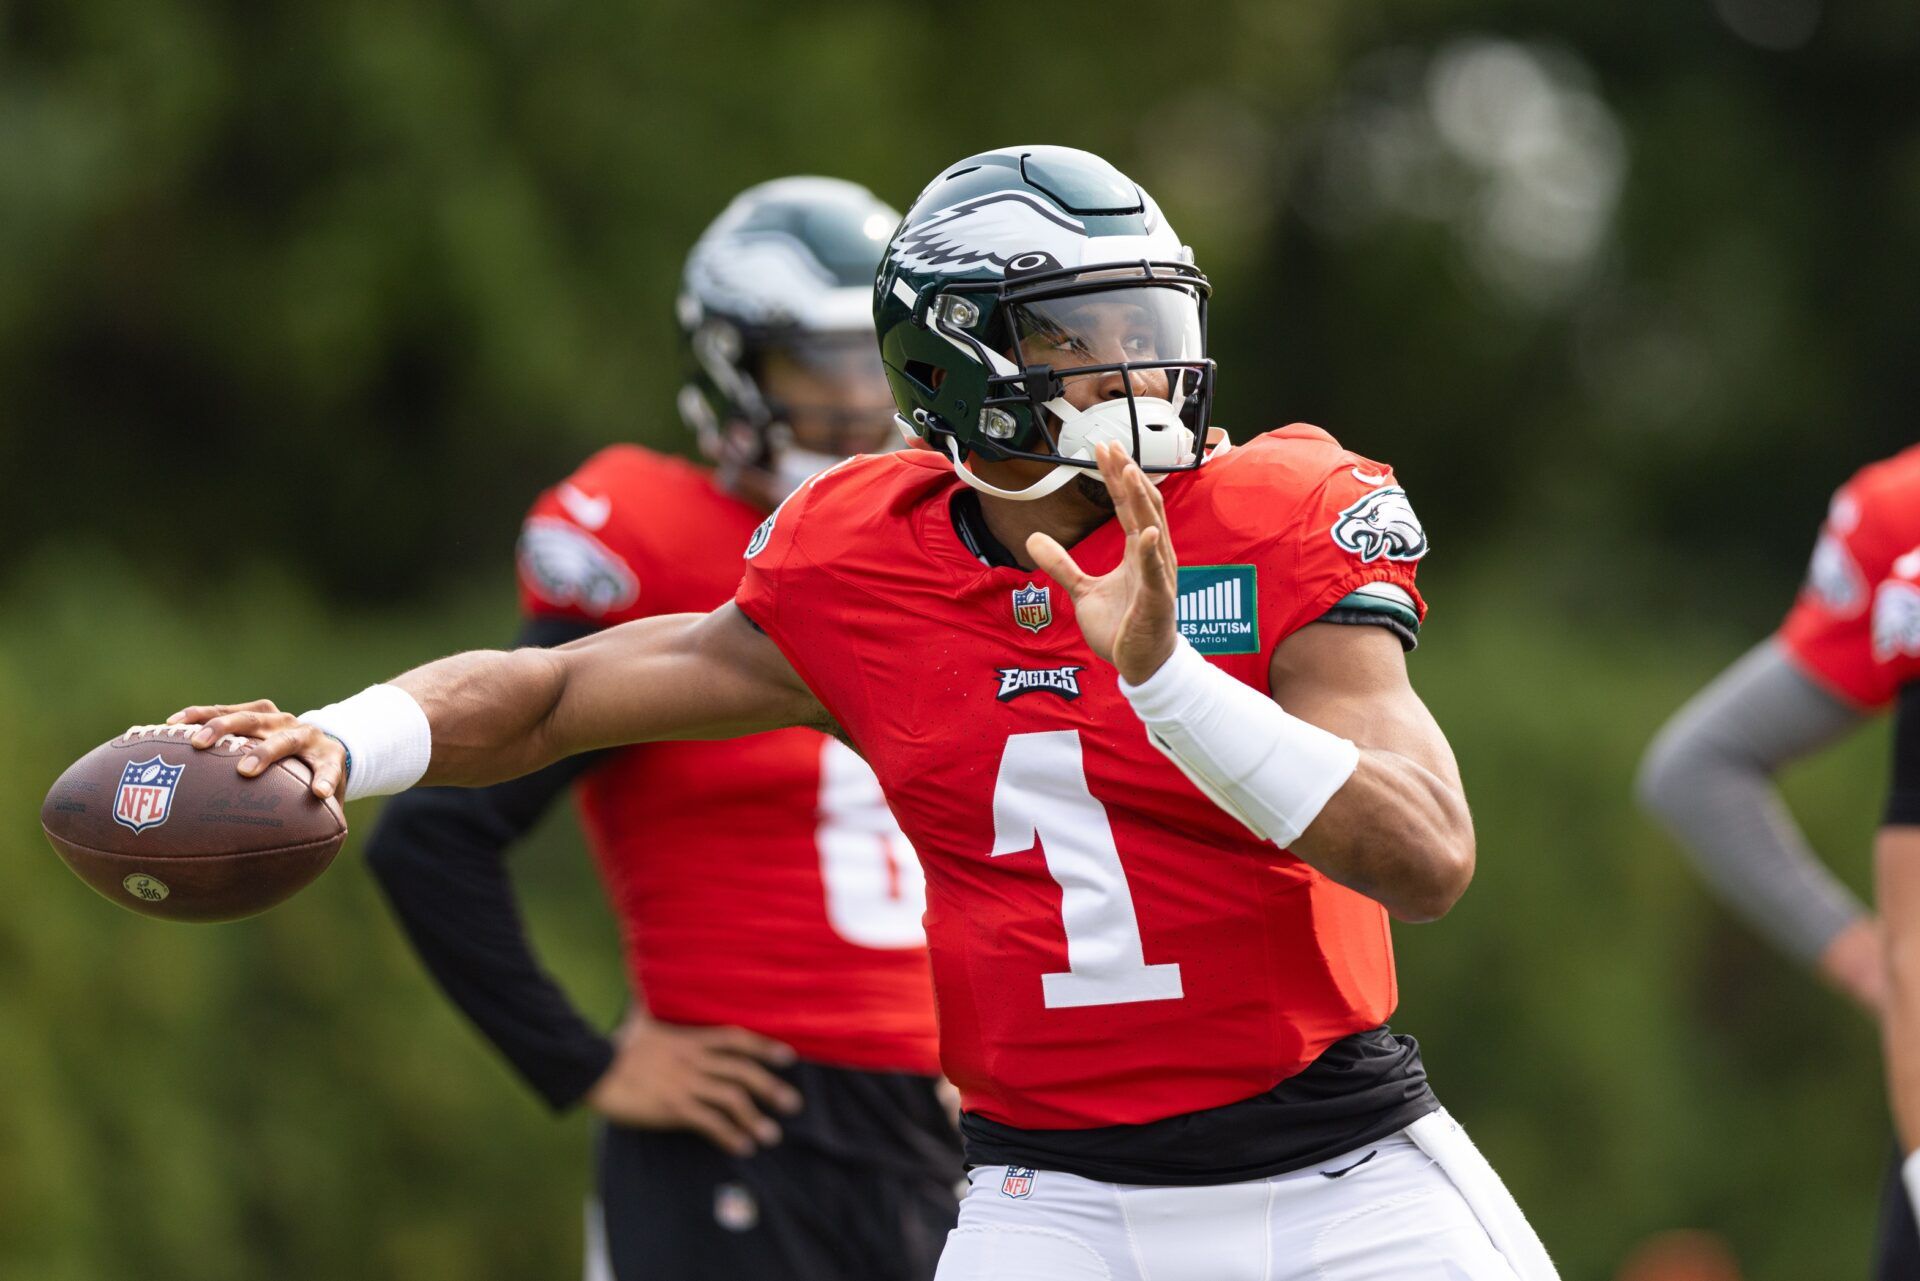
{"x":1409,"y":640}
{"x":970,"y":524}
{"x":1360,"y":1090}
{"x":1903,"y":797}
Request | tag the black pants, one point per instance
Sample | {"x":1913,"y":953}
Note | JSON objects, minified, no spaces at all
{"x":1896,"y":1255}
{"x":676,"y":1208}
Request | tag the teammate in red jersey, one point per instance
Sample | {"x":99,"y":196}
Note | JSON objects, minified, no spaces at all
{"x":1844,"y":654}
{"x":769,"y":905}
{"x":1165,"y":808}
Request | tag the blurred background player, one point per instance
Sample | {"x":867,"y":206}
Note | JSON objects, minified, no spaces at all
{"x":769,"y":904}
{"x":1840,"y":658}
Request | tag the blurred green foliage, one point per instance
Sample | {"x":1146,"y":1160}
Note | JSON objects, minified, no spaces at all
{"x":398,"y":261}
{"x":301,"y":302}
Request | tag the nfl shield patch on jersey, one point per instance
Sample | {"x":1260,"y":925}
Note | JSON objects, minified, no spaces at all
{"x":1217,"y":610}
{"x":1018,"y":1182}
{"x":1033,"y":607}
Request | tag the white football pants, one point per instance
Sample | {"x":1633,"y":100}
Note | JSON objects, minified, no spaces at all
{"x":1419,"y":1204}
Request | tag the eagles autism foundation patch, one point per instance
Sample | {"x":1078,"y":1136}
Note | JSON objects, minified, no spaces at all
{"x":1218,"y":609}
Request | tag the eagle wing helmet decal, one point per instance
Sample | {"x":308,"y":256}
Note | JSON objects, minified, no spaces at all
{"x":1381,"y":525}
{"x":991,"y":231}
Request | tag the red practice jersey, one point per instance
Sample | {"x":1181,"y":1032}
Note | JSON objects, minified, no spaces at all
{"x":1109,"y":946}
{"x":759,"y":881}
{"x":1836,"y":632}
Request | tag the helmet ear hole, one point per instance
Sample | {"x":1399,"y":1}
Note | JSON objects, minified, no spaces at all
{"x":928,"y":376}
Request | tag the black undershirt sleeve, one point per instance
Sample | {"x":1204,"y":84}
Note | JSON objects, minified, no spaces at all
{"x":1903,"y":798}
{"x":439,"y":853}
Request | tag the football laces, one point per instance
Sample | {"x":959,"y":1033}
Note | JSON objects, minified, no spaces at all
{"x":176,"y":733}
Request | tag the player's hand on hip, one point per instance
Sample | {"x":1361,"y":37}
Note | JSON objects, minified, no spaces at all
{"x":1127,"y":615}
{"x":714,"y":1081}
{"x":280,"y":734}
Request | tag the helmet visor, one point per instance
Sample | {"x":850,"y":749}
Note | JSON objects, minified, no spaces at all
{"x":1144,"y":340}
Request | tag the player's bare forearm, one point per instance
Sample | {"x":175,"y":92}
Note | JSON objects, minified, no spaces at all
{"x":1398,"y":830}
{"x":1897,"y":873}
{"x":499,"y":715}
{"x":496,"y":715}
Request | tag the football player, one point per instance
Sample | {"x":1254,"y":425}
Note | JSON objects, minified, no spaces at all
{"x":1165,"y":807}
{"x":769,"y":905}
{"x":1843,"y":655}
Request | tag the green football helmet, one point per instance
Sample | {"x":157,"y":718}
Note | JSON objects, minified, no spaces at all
{"x":1019,"y":272}
{"x":783,"y":270}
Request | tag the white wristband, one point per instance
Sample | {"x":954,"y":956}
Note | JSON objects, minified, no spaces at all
{"x":1271,"y":770}
{"x":387,"y":737}
{"x":1910,"y":1175}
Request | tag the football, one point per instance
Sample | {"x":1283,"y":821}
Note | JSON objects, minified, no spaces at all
{"x":171,"y":832}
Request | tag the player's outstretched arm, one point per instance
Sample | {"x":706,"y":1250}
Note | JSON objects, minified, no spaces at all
{"x":486,"y":716}
{"x":1343,"y":765}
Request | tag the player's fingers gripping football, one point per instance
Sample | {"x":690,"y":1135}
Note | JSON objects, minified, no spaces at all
{"x":280,"y":736}
{"x":323,"y":754}
{"x":201,"y":715}
{"x":240,"y":723}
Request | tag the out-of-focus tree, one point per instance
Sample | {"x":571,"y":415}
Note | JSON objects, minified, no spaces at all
{"x":1601,"y":281}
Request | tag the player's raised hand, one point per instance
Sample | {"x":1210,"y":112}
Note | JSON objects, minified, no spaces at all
{"x":281,"y":735}
{"x":1127,"y":615}
{"x":712,"y":1080}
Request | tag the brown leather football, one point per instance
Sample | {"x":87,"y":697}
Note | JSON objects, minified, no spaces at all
{"x":168,"y":831}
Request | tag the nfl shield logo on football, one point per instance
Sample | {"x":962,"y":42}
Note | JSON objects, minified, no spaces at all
{"x":145,"y":797}
{"x":1033,"y":607}
{"x":1018,"y":1183}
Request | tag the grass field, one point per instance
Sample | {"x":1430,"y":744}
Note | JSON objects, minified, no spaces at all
{"x":287,"y":1097}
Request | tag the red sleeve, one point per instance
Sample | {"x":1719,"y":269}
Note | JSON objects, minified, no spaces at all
{"x":774,"y":559}
{"x":767,"y":554}
{"x":1896,"y":626}
{"x":1354,"y":527}
{"x":582,"y":549}
{"x":1828,"y":632}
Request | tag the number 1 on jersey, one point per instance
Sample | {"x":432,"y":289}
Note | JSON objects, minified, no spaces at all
{"x":1041,"y":797}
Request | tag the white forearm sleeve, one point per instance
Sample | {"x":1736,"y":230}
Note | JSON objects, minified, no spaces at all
{"x":1272,"y":771}
{"x":387,"y":737}
{"x":1910,"y":1175}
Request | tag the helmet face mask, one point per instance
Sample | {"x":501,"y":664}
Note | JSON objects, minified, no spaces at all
{"x":996,"y":350}
{"x":1112,"y":355}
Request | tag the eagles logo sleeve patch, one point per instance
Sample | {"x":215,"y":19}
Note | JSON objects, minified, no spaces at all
{"x":1896,"y":612}
{"x":1834,"y":578}
{"x":1381,"y":526}
{"x":564,"y":565}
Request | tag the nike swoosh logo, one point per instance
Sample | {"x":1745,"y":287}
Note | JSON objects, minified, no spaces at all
{"x":1366,"y":478}
{"x":1334,"y":1174}
{"x":589,"y":513}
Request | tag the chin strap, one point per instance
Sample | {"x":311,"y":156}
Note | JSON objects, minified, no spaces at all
{"x":1060,"y":475}
{"x":1217,"y":444}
